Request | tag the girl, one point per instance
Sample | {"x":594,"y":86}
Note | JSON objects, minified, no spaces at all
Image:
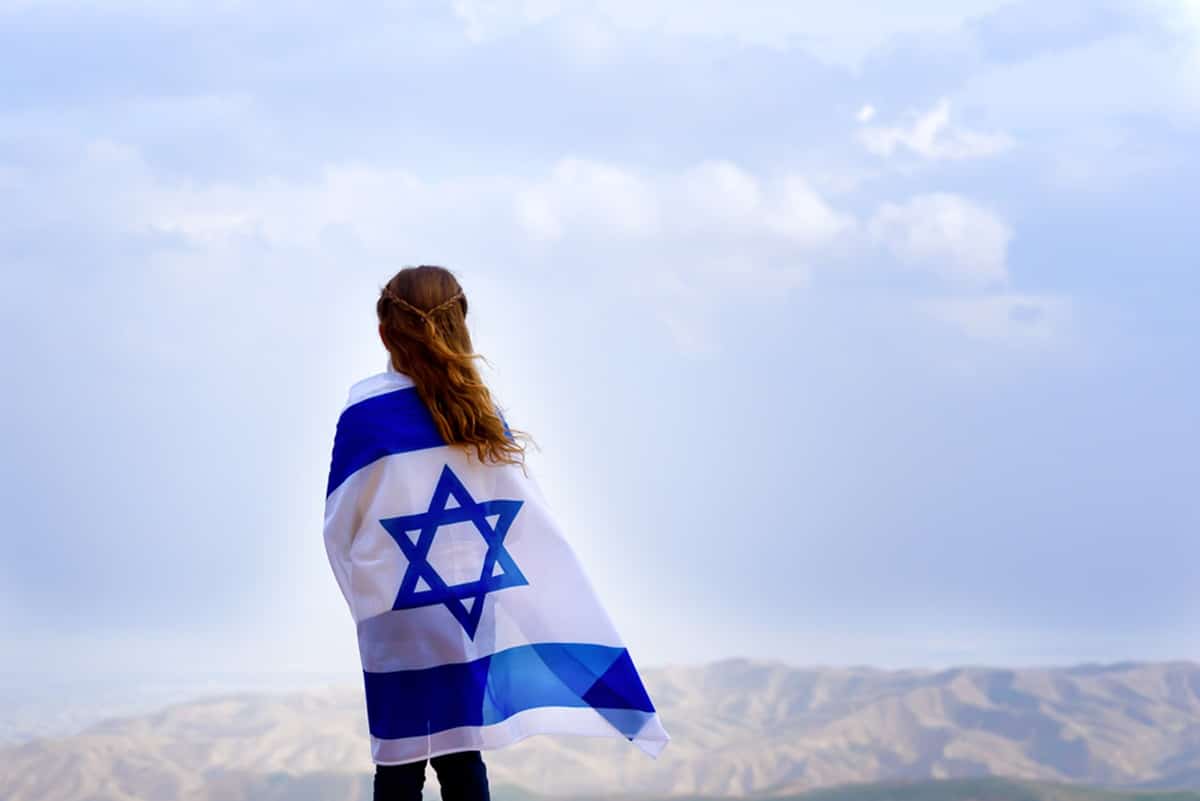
{"x":476,"y":625}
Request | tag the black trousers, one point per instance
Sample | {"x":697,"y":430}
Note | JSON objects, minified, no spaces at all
{"x":461,"y":774}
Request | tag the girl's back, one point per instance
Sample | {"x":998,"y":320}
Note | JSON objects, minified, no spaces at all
{"x":477,"y":626}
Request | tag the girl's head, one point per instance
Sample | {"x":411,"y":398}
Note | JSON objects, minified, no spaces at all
{"x":423,"y":324}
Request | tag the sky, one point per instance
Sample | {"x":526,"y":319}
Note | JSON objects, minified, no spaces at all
{"x":848,"y":335}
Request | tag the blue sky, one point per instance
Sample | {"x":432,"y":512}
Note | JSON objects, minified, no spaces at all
{"x":848,"y":335}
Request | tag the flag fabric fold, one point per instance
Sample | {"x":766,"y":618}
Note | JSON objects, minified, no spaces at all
{"x":477,"y":626}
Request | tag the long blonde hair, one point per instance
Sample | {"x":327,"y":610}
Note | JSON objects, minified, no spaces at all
{"x":422,"y":315}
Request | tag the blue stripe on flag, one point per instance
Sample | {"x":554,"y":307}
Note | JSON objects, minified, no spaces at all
{"x":408,"y":703}
{"x":395,"y":422}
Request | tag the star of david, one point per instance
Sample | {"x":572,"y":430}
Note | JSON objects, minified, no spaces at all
{"x":415,"y":534}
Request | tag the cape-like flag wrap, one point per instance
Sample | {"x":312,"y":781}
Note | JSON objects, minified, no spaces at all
{"x":477,"y":627}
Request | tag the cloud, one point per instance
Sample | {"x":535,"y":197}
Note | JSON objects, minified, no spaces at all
{"x":490,"y":19}
{"x":1134,"y":73}
{"x":386,"y":207}
{"x":1181,"y":17}
{"x":585,"y":194}
{"x":946,"y":235}
{"x":1104,"y":158}
{"x":687,"y":236}
{"x":219,"y":225}
{"x":802,"y":216}
{"x":1010,"y":317}
{"x":836,"y":35}
{"x":714,"y":208}
{"x":931,"y":136}
{"x":681,"y":240}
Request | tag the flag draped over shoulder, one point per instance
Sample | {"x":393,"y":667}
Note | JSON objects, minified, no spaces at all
{"x":476,"y":624}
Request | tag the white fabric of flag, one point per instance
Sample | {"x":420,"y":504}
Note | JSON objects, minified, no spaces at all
{"x":476,"y":624}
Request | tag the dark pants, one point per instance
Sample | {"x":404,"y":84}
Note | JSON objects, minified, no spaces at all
{"x":461,"y":774}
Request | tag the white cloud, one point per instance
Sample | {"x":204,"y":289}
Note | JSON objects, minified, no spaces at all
{"x":1181,"y":17}
{"x":712,"y":200}
{"x":1009,"y":317}
{"x":581,"y":194}
{"x":716,"y":204}
{"x":840,"y":35}
{"x":681,"y":240}
{"x":686,"y":237}
{"x":1102,"y":81}
{"x":489,"y":19}
{"x":947,"y":235}
{"x":719,"y":190}
{"x":803,"y":216}
{"x":931,"y":136}
{"x":866,"y":113}
{"x":703,"y":232}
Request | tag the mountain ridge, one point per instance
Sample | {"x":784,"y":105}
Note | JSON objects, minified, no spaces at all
{"x":740,"y":728}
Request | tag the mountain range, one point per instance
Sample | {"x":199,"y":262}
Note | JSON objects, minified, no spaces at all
{"x":740,"y":728}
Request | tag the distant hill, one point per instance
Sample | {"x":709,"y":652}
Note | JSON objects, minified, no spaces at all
{"x":989,"y":788}
{"x":343,"y":787}
{"x":985,"y":789}
{"x":740,"y":728}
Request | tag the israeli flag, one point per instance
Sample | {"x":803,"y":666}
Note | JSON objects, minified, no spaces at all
{"x":476,"y":624}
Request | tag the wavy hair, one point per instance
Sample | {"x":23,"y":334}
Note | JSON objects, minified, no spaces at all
{"x":423,"y":323}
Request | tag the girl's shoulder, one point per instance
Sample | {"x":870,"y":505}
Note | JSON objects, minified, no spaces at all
{"x":378,"y":384}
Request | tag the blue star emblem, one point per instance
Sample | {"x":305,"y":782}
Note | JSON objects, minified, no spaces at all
{"x":499,"y":569}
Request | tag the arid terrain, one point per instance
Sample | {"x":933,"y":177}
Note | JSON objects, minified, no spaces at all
{"x":739,"y":728}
